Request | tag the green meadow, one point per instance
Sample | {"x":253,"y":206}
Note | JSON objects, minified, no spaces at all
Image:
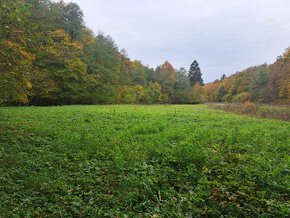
{"x":141,"y":161}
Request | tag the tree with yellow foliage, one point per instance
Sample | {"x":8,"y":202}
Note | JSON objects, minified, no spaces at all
{"x":62,"y":72}
{"x":15,"y":60}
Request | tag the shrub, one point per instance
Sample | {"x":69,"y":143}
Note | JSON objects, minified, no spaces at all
{"x":242,"y":97}
{"x":249,"y":108}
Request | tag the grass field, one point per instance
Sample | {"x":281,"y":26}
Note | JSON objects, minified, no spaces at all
{"x":141,"y":161}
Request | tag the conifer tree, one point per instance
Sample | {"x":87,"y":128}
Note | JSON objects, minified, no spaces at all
{"x":223,"y":77}
{"x":195,"y":74}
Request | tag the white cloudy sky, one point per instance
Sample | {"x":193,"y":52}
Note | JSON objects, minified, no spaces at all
{"x":224,"y":36}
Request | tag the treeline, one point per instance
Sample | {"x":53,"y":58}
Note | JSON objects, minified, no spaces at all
{"x":263,"y":84}
{"x":49,"y":57}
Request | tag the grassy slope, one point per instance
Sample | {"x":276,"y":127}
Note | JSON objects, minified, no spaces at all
{"x":166,"y":160}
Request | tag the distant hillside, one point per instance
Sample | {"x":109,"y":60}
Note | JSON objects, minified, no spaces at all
{"x":263,"y":84}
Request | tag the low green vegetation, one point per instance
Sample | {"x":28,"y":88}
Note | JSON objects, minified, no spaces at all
{"x":167,"y":161}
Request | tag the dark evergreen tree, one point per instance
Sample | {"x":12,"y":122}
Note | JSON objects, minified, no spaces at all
{"x":223,"y":77}
{"x":195,"y":74}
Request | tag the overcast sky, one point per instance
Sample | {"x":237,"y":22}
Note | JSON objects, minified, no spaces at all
{"x":224,"y":36}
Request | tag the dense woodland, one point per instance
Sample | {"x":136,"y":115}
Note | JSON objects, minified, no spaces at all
{"x":49,"y":57}
{"x":263,"y":84}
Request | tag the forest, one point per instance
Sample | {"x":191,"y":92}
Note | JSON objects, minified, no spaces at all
{"x":49,"y":57}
